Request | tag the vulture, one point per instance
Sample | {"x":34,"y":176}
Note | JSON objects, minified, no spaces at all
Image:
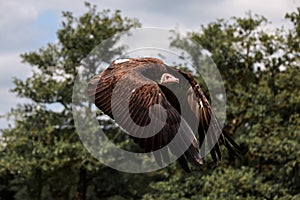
{"x":138,"y":92}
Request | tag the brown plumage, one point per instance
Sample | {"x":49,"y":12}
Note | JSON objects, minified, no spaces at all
{"x":182,"y":109}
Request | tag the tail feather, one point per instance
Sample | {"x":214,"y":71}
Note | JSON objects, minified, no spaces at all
{"x":184,"y":164}
{"x":232,"y":142}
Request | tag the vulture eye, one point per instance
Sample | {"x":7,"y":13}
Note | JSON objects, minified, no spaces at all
{"x":167,"y":77}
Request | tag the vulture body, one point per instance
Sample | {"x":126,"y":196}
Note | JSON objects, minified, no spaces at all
{"x":144,"y":82}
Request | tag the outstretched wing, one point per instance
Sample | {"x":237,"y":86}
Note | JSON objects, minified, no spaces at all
{"x":136,"y":102}
{"x":199,"y":105}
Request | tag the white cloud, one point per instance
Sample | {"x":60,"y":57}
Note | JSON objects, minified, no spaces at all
{"x":272,"y":10}
{"x":14,"y":22}
{"x":17,"y":16}
{"x":13,"y":14}
{"x":10,"y":66}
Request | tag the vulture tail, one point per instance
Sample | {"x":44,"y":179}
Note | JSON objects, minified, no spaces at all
{"x":233,"y":148}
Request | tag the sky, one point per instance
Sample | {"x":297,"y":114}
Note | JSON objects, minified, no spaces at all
{"x":27,"y":25}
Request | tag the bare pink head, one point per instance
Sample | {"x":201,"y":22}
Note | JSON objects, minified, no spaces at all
{"x":168,"y":78}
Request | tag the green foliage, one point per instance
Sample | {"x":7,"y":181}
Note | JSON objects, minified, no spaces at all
{"x":261,"y":74}
{"x":222,"y":183}
{"x":43,"y":156}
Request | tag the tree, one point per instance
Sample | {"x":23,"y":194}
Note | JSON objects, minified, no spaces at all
{"x":43,"y":156}
{"x":261,"y":74}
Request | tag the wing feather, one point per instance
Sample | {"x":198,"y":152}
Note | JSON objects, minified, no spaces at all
{"x":145,"y":94}
{"x":200,"y":106}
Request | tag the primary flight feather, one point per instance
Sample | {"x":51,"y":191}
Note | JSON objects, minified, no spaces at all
{"x":162,"y":101}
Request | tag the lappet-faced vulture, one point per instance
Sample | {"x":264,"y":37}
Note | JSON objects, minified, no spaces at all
{"x":138,"y":92}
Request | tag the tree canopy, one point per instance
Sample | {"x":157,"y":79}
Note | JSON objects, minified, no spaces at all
{"x":42,"y":157}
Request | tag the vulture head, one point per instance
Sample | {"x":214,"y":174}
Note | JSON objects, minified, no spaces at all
{"x":168,"y":78}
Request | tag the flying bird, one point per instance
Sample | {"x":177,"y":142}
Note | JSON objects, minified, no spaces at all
{"x":139,"y":92}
